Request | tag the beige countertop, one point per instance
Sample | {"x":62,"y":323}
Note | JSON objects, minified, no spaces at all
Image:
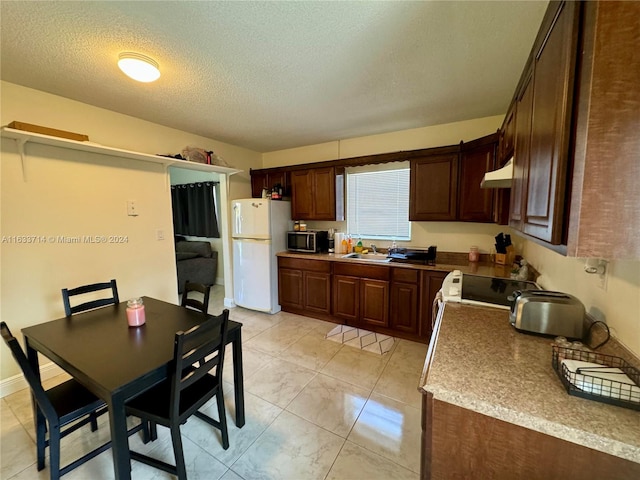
{"x":477,"y":268}
{"x":481,"y":363}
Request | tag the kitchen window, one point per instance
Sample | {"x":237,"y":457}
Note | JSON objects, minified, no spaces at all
{"x":378,"y":201}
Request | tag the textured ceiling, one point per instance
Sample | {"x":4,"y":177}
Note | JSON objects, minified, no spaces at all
{"x":274,"y":75}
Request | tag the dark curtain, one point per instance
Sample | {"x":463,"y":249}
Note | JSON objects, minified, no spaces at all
{"x":194,"y":209}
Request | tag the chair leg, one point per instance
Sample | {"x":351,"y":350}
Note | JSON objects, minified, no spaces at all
{"x":153,"y":431}
{"x":223,"y":419}
{"x":94,"y":421}
{"x":41,"y":433}
{"x":146,"y":434}
{"x":54,"y":452}
{"x":181,"y":469}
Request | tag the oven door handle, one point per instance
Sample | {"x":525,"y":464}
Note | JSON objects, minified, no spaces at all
{"x":438,"y":306}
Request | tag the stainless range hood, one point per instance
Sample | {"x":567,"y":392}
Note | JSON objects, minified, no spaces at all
{"x":500,"y":178}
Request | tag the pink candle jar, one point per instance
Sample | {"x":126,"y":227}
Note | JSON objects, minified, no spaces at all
{"x":474,"y":255}
{"x":135,"y":312}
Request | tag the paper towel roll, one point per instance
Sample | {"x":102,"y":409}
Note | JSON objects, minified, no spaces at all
{"x":338,"y":237}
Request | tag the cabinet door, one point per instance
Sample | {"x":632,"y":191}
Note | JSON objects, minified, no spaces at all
{"x":258,"y":182}
{"x":324,"y":194}
{"x":346,"y":298}
{"x":278,"y":178}
{"x":521,"y":155}
{"x":433,"y":188}
{"x":317,"y":292}
{"x":476,"y":204}
{"x":431,"y":284}
{"x":403,"y":314}
{"x":301,"y":195}
{"x":290,"y":291}
{"x":553,"y":80}
{"x":374,"y":303}
{"x":508,"y":130}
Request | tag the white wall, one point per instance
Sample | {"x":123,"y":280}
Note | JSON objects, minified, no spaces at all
{"x":413,"y":139}
{"x":618,"y":305}
{"x":69,"y":193}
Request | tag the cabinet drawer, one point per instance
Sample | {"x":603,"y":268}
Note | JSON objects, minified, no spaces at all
{"x":362,"y":271}
{"x":307,"y":265}
{"x":404,"y":275}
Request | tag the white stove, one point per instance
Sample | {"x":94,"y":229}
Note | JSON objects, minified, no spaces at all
{"x":471,"y":289}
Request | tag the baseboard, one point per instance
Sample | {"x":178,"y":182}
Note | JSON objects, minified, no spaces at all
{"x":220,"y":281}
{"x":229,"y":303}
{"x":17,"y":382}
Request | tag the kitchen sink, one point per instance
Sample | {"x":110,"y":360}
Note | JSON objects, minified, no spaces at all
{"x":369,"y":257}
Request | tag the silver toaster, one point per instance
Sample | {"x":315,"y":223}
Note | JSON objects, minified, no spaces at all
{"x":548,"y":313}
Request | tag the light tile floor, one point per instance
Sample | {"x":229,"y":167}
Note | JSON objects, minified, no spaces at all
{"x":315,"y":409}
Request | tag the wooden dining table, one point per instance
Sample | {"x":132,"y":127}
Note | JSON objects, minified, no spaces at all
{"x":117,"y":362}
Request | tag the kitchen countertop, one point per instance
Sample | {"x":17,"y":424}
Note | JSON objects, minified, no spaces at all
{"x":477,"y":268}
{"x":483,"y":364}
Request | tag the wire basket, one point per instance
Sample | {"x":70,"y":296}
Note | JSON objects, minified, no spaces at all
{"x":605,"y":378}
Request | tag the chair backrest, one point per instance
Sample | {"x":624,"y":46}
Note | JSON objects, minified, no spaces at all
{"x":202,"y":306}
{"x":32,"y":379}
{"x":196,"y":353}
{"x":112,"y":300}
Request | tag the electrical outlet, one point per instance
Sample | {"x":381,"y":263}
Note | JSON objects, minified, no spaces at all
{"x":602,"y":277}
{"x":132,"y":208}
{"x":159,"y":234}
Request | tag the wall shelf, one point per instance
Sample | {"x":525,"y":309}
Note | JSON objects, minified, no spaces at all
{"x":22,"y":137}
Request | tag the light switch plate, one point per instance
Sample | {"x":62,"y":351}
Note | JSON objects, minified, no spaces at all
{"x":132,"y":208}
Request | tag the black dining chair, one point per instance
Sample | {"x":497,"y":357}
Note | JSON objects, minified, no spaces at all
{"x":195,"y":303}
{"x":55,"y":409}
{"x":95,"y":287}
{"x":189,"y":387}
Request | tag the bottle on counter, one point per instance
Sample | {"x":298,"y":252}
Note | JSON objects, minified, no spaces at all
{"x":474,"y":255}
{"x":296,"y":226}
{"x":344,"y":245}
{"x":358,"y":247}
{"x":349,"y":244}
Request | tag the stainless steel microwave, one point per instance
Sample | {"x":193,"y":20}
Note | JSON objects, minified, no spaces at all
{"x":311,"y":241}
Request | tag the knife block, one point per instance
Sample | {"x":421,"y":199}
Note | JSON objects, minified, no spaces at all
{"x":506,"y":258}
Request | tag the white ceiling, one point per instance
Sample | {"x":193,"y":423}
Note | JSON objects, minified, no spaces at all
{"x":275,"y":75}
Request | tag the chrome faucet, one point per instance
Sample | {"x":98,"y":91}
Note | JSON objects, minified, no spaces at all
{"x":374,"y":248}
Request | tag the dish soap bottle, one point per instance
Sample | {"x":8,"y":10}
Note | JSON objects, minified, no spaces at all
{"x":349,"y":244}
{"x":358,"y":248}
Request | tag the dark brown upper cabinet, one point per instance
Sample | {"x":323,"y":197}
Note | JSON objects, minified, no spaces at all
{"x":261,"y":179}
{"x":434,"y":188}
{"x":507,"y":136}
{"x":445,"y":186}
{"x":554,"y":67}
{"x":476,"y":204}
{"x":522,"y":150}
{"x":317,"y":194}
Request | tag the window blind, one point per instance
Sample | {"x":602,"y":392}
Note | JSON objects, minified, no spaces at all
{"x":378,"y":204}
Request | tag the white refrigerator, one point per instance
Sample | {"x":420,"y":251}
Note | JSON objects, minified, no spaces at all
{"x":259,"y":231}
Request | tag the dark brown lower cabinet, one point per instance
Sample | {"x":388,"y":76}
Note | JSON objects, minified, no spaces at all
{"x":304,"y":286}
{"x":361,"y":295}
{"x":460,"y":443}
{"x":390,"y":300}
{"x":403,"y":313}
{"x":346,"y":298}
{"x":317,"y":291}
{"x":361,"y":302}
{"x":431,"y":283}
{"x":290,"y":292}
{"x":374,"y":304}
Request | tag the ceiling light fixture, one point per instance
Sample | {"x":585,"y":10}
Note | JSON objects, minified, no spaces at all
{"x":139,"y":67}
